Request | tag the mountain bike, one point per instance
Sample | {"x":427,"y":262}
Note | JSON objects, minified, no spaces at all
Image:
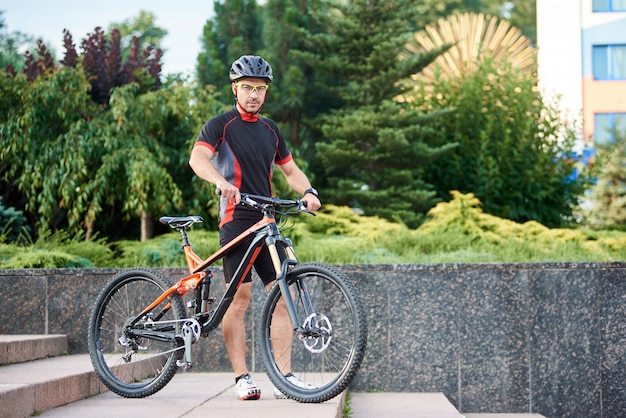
{"x":143,"y":326}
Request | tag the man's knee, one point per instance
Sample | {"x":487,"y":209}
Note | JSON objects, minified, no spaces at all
{"x":242,"y":298}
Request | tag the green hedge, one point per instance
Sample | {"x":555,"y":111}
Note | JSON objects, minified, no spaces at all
{"x":456,"y":231}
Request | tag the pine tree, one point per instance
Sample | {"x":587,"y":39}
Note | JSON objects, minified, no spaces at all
{"x":234,"y":31}
{"x":292,"y":90}
{"x":375,"y":148}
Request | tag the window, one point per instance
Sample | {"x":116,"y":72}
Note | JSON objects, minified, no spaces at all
{"x":609,"y":62}
{"x":605,"y":126}
{"x":609,"y":5}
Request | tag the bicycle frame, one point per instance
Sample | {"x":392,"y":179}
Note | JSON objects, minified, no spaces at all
{"x":311,"y":353}
{"x":264,"y":233}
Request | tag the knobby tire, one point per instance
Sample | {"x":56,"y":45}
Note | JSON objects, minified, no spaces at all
{"x":150,"y":364}
{"x":326,"y":358}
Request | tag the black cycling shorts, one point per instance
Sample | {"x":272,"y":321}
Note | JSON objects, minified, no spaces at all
{"x":263,"y":264}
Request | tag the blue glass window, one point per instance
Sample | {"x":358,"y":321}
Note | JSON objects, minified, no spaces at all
{"x":605,"y":125}
{"x":609,"y":62}
{"x":609,"y":5}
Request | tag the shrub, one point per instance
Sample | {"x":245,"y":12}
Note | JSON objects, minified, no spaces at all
{"x":45,"y":259}
{"x":164,"y":250}
{"x":13,"y":224}
{"x":454,"y":232}
{"x":96,"y":250}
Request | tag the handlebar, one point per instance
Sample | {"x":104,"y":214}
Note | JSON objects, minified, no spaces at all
{"x":264,"y":203}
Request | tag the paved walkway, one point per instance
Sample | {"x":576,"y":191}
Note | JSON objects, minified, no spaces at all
{"x":198,"y":395}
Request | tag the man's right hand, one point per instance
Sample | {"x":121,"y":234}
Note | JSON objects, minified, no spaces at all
{"x":229,"y":192}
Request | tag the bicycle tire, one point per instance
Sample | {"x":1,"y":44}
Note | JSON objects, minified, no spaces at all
{"x":150,"y":364}
{"x":327,"y":359}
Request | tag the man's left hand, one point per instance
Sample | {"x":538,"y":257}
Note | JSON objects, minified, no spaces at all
{"x":312,"y":202}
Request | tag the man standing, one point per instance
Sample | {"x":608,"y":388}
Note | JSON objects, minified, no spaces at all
{"x":237,"y":151}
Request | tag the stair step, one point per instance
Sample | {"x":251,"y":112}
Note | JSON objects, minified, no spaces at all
{"x":38,"y":385}
{"x":22,"y":348}
{"x":401,"y":405}
{"x":413,"y":405}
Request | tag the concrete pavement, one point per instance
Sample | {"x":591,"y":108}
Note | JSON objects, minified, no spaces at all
{"x":37,"y":384}
{"x":198,"y":395}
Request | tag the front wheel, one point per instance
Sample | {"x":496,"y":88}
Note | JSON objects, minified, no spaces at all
{"x":320,"y":359}
{"x":135,"y":355}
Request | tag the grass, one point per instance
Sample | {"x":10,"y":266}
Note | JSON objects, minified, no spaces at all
{"x":346,"y":410}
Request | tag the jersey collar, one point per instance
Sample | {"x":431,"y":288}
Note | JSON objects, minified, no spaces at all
{"x":247,"y":117}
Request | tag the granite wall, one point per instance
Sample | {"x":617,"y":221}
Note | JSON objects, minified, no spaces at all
{"x":535,"y":338}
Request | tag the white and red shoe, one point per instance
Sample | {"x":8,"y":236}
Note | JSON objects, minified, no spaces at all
{"x":246,"y":389}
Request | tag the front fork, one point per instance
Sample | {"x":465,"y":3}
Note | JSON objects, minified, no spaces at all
{"x":282,"y":267}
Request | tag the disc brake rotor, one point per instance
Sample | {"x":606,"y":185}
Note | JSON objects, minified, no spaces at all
{"x":317,"y":333}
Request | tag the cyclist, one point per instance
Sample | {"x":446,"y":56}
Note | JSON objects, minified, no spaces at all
{"x":237,"y":151}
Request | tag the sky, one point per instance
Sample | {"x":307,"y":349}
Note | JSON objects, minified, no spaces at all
{"x":46,"y":19}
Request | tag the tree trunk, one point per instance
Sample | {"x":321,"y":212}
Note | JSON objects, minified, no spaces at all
{"x":90,"y":224}
{"x":146,"y":226}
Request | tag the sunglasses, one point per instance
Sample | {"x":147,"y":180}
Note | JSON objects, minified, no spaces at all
{"x":251,"y":88}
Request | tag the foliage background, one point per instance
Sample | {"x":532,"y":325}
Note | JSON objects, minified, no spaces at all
{"x":95,"y":146}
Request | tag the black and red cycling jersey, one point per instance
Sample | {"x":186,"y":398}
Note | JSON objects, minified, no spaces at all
{"x":245,"y":149}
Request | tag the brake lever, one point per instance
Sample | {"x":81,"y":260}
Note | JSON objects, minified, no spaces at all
{"x":302,"y":208}
{"x":248,"y":201}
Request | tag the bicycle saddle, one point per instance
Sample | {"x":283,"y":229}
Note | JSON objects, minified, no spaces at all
{"x":178,"y":222}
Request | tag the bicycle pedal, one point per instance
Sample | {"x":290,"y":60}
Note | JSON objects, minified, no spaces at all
{"x":185,"y":365}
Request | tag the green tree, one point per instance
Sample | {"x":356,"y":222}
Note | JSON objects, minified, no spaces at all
{"x":428,"y":11}
{"x":608,"y":196}
{"x":375,"y":148}
{"x":234,"y":30}
{"x":297,"y":94}
{"x":143,"y":28}
{"x":10,"y":44}
{"x":514,"y":153}
{"x":115,"y":144}
{"x":38,"y":147}
{"x":291,"y":86}
{"x":135,"y":173}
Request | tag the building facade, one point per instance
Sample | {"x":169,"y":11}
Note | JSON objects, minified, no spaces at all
{"x":581,"y":46}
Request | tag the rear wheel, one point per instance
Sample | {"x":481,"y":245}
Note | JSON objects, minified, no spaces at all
{"x":130,"y":364}
{"x":319,"y":361}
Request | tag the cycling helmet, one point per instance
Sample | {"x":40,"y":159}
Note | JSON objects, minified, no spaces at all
{"x":251,"y":66}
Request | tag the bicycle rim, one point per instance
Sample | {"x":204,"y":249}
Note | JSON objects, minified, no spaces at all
{"x":129,"y":365}
{"x":326,"y":356}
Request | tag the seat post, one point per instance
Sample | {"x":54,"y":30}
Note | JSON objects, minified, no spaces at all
{"x":183,"y":234}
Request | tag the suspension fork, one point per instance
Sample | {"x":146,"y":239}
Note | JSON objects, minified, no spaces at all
{"x":281,"y":275}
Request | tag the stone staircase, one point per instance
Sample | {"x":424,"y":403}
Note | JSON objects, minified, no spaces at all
{"x":38,"y":377}
{"x":36,"y":374}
